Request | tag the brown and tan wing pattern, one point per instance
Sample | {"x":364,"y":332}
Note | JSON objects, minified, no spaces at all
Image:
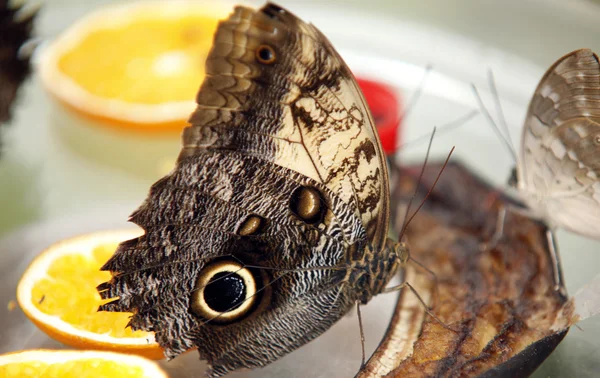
{"x":301,"y":109}
{"x":559,"y":167}
{"x":281,"y":177}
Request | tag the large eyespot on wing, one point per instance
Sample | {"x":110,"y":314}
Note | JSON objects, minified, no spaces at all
{"x":215,"y":208}
{"x":560,"y":151}
{"x":276,"y":88}
{"x":226,"y":291}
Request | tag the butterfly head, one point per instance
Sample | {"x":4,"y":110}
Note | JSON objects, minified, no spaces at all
{"x":401,"y":253}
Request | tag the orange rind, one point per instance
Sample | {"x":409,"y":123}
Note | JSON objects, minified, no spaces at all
{"x":58,"y":293}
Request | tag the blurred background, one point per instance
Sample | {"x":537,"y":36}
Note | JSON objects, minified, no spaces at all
{"x":63,"y":171}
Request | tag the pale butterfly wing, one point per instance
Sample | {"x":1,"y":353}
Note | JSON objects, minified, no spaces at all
{"x":559,"y":167}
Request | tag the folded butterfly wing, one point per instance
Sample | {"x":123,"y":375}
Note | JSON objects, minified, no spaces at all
{"x":280,"y":183}
{"x":559,"y":168}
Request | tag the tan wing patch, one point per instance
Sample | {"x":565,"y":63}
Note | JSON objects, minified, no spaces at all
{"x":298,"y":106}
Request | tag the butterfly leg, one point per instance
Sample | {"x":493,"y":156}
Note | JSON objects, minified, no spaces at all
{"x":550,"y":238}
{"x":402,"y":252}
{"x":414,"y":291}
{"x":498,"y":232}
{"x":499,"y":229}
{"x":362,"y":335}
{"x":556,"y":267}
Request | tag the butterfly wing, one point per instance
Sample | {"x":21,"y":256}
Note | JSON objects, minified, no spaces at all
{"x":559,"y":168}
{"x":304,"y":110}
{"x":281,"y":175}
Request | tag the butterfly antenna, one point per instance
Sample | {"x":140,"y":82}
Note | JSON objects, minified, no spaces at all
{"x":499,"y":110}
{"x":412,"y":198}
{"x":443,"y":129}
{"x":495,"y":127}
{"x":406,"y":224}
{"x":421,"y":205}
{"x":429,"y":193}
{"x":418,"y":92}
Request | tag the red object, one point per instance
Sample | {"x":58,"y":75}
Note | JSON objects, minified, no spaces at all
{"x":386,"y":109}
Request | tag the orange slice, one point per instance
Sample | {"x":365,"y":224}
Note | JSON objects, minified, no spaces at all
{"x":58,"y":293}
{"x":76,"y":364}
{"x":136,"y":65}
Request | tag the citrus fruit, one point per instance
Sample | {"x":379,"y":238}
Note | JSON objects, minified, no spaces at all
{"x":136,"y":65}
{"x":42,"y":363}
{"x":58,"y":293}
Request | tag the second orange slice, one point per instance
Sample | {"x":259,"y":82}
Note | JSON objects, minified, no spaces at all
{"x":58,"y":293}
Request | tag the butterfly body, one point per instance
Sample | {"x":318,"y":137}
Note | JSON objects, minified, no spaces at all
{"x":370,"y":272}
{"x":273,"y":224}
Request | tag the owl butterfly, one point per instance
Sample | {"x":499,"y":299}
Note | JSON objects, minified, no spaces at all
{"x":274,"y":222}
{"x":558,"y":171}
